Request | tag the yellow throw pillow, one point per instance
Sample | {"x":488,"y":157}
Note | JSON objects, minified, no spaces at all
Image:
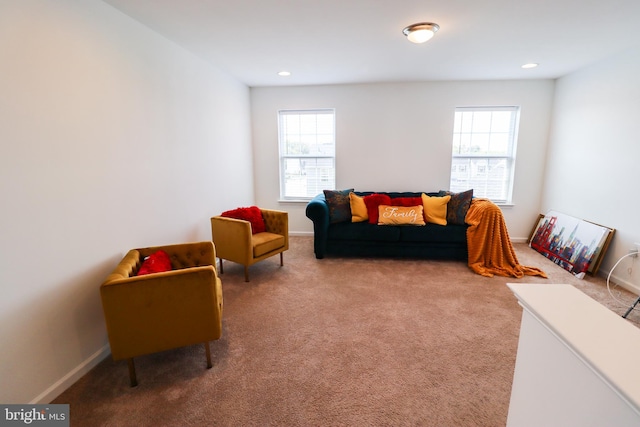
{"x":435,"y":209}
{"x":400,"y":215}
{"x":358,"y":208}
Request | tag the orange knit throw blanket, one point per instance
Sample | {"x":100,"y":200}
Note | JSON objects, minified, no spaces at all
{"x":488,"y":243}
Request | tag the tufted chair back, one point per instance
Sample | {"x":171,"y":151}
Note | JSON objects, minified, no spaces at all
{"x":186,"y":255}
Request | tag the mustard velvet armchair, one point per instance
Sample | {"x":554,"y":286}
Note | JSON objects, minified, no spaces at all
{"x":235,"y":242}
{"x":161,"y":311}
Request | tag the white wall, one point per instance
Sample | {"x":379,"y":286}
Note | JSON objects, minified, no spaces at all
{"x":397,"y":137}
{"x":112,"y":138}
{"x":592,"y":169}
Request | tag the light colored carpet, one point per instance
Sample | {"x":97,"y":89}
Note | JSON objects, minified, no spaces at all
{"x":336,"y":342}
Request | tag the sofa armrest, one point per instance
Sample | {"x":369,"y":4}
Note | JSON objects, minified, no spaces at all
{"x":318,"y":211}
{"x":156,"y":312}
{"x":127,"y":267}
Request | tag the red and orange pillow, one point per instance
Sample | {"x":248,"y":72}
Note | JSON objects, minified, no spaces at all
{"x":366,"y":208}
{"x":444,"y":208}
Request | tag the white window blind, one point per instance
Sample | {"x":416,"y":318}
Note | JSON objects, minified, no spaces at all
{"x":483,"y":155}
{"x":307,"y":153}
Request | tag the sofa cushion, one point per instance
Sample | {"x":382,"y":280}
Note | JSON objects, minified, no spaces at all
{"x":358,"y":208}
{"x":266,"y":242}
{"x":433,"y":233}
{"x":338,"y":202}
{"x":364,"y":231}
{"x":458,"y":205}
{"x":372,"y":202}
{"x":157,"y":262}
{"x":251,"y":214}
{"x":406,"y":201}
{"x":400,"y":215}
{"x":435,"y":209}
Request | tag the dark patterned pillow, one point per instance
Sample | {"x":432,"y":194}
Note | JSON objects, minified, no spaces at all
{"x":458,"y":205}
{"x":339,"y":205}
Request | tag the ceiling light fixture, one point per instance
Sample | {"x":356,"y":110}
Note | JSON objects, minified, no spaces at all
{"x":421,"y":32}
{"x":530,"y":65}
{"x":284,"y":73}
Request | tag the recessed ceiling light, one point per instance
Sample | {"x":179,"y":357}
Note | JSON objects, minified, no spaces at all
{"x":284,"y":73}
{"x":530,"y":65}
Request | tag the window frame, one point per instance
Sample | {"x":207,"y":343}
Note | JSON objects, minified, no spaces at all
{"x":509,"y":157}
{"x":283,"y":157}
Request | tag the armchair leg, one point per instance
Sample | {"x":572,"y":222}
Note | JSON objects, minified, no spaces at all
{"x":132,"y":373}
{"x":281,"y":259}
{"x":221,"y":268}
{"x":208,"y":351}
{"x":246,"y":273}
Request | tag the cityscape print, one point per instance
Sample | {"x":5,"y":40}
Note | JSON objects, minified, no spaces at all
{"x":569,"y":242}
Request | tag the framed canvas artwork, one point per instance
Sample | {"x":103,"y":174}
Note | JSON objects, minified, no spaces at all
{"x":574,"y":244}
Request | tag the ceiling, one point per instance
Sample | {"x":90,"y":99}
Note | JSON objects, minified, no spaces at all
{"x":361,"y":41}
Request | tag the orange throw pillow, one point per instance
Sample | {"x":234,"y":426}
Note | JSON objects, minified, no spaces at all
{"x":435,"y":209}
{"x":400,"y":215}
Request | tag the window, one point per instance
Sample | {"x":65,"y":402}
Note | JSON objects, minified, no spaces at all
{"x":484,"y":147}
{"x":307,"y":153}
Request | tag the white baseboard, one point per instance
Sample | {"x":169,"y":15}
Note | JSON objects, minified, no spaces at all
{"x":301,"y":233}
{"x":631,"y":287}
{"x":74,"y":375}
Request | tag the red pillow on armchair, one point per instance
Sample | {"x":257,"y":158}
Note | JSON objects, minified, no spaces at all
{"x":157,"y":262}
{"x":251,"y":214}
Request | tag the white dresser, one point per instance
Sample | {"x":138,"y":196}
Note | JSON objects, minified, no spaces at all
{"x":578,"y":363}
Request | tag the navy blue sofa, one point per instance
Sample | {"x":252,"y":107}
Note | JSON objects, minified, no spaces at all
{"x":370,"y":240}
